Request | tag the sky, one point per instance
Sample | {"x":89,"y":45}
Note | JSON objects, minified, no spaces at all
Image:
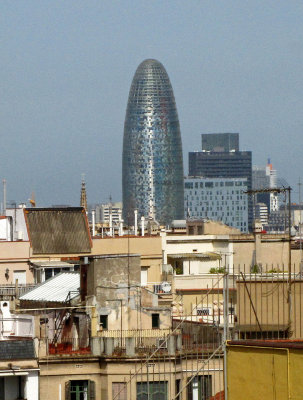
{"x":66,"y":68}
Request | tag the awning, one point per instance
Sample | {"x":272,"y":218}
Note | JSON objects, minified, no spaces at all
{"x":52,"y":264}
{"x":208,"y":256}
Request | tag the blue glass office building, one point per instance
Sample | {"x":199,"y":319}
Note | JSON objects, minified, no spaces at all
{"x":152,"y":166}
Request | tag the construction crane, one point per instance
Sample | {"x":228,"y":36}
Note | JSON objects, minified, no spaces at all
{"x":32,"y":200}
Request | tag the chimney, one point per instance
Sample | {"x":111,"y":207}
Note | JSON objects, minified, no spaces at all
{"x":93,"y":222}
{"x":142,"y":225}
{"x":110,"y":223}
{"x":4,"y":196}
{"x":120,"y":223}
{"x":136,"y":222}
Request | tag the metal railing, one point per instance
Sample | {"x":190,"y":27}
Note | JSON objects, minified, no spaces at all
{"x":137,"y":333}
{"x":158,"y":287}
{"x":9,"y":292}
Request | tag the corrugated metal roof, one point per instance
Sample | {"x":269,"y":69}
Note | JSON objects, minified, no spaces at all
{"x":58,"y":230}
{"x":56,"y":289}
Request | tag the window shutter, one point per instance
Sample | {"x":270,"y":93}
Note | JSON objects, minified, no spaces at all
{"x":91,"y":390}
{"x":67,"y":390}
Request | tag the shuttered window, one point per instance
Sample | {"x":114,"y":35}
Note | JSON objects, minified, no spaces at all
{"x":152,"y":390}
{"x":80,"y":390}
{"x":119,"y":391}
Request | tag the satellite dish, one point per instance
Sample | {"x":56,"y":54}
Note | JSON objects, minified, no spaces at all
{"x":166,"y":287}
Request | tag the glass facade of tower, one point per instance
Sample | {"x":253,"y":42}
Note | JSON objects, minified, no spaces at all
{"x":152,"y":166}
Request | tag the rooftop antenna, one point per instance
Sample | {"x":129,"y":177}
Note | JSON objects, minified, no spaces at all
{"x":111,"y":228}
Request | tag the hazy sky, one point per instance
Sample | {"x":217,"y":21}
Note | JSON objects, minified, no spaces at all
{"x":67,"y":66}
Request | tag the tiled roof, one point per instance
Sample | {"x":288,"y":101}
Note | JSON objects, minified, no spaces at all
{"x":58,"y":230}
{"x":57,"y":289}
{"x":17,"y":349}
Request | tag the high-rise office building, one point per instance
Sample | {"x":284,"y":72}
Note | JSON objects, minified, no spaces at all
{"x":266,"y":177}
{"x":103,"y":212}
{"x":220,"y":158}
{"x":152,"y":149}
{"x":220,"y":142}
{"x":219,"y":199}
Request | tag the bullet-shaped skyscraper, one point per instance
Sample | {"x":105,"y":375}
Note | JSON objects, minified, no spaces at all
{"x":152,"y":167}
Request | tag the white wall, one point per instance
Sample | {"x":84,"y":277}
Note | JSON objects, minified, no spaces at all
{"x":218,"y":244}
{"x":5,"y":229}
{"x":33,"y":386}
{"x":19,"y":224}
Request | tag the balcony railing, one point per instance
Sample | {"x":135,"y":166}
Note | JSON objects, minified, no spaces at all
{"x":159,"y":287}
{"x":9,"y":292}
{"x":136,"y":333}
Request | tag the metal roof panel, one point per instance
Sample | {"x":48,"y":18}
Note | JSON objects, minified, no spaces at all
{"x":56,"y":289}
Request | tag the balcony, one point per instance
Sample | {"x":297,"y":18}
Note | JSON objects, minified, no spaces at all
{"x":159,"y":287}
{"x":17,"y":326}
{"x":201,"y":281}
{"x":193,"y":337}
{"x":10,"y":292}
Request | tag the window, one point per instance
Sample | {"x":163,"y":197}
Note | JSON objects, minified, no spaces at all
{"x":179,"y":267}
{"x":199,"y":388}
{"x":177,"y":389}
{"x":20,"y":275}
{"x":144,"y":276}
{"x":119,"y":390}
{"x":80,"y":390}
{"x":48,"y":273}
{"x":155,"y":321}
{"x":152,"y":390}
{"x":104,"y":321}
